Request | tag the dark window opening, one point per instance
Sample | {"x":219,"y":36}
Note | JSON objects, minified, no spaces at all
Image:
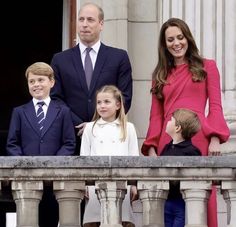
{"x":31,"y":31}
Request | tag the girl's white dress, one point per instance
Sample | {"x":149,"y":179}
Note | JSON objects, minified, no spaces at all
{"x":103,"y":139}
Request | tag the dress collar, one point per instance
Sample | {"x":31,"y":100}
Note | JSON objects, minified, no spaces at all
{"x":100,"y":121}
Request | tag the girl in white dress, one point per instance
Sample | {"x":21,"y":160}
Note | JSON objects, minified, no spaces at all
{"x":109,"y":134}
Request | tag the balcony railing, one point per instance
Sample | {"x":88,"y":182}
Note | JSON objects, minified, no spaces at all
{"x":70,"y":175}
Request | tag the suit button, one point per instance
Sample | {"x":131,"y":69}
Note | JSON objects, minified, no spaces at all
{"x":41,"y":141}
{"x":89,"y":100}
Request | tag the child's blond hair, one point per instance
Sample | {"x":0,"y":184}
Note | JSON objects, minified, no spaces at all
{"x":40,"y":68}
{"x":120,"y":114}
{"x":189,"y":122}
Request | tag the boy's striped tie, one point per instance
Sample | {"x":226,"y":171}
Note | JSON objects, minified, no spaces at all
{"x":40,"y":115}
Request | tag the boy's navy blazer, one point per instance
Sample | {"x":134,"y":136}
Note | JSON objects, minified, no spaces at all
{"x":57,"y":136}
{"x":112,"y":68}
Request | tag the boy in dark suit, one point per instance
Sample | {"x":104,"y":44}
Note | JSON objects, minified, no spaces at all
{"x":42,"y":127}
{"x":57,"y":135}
{"x":182,"y":126}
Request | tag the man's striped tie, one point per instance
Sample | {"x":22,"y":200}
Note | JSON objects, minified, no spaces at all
{"x":40,"y":115}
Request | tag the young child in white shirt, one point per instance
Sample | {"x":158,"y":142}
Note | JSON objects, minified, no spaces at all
{"x":109,"y":134}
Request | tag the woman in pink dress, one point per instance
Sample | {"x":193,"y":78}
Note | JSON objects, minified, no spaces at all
{"x":183,"y":79}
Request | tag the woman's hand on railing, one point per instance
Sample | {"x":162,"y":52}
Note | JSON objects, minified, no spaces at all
{"x":152,"y":152}
{"x":214,"y":147}
{"x":133,"y":193}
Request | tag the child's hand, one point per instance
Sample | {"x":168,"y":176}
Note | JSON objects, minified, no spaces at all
{"x":133,"y":193}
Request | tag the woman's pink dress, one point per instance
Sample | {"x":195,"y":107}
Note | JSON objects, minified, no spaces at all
{"x":204,"y":98}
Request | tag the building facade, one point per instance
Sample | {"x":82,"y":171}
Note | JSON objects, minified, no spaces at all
{"x":134,"y":25}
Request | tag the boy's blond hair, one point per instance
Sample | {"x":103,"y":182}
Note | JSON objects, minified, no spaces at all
{"x":189,"y":122}
{"x":120,"y":114}
{"x":40,"y":68}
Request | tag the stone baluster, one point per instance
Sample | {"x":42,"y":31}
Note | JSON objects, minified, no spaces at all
{"x":229,"y":194}
{"x":69,"y":195}
{"x":153,"y":195}
{"x":196,"y":195}
{"x":27,"y":196}
{"x":111,"y":195}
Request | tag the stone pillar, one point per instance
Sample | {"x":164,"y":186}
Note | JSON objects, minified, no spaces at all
{"x":142,"y":48}
{"x":69,"y":195}
{"x":153,"y":195}
{"x":115,"y":23}
{"x":111,"y":195}
{"x":27,"y":196}
{"x":196,"y":195}
{"x":229,"y":73}
{"x":229,"y":194}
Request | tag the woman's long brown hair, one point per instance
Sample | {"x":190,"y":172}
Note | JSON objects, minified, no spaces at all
{"x":166,"y":61}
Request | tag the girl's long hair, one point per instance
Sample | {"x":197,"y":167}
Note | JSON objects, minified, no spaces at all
{"x":120,"y":114}
{"x":166,"y":61}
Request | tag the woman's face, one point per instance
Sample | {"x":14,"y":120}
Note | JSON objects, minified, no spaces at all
{"x":176,"y":44}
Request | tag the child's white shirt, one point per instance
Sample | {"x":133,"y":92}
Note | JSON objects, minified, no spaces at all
{"x":103,"y":139}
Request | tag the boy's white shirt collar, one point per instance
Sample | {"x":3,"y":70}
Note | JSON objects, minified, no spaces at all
{"x":46,"y":101}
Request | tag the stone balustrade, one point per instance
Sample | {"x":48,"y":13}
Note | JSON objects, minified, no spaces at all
{"x":111,"y":175}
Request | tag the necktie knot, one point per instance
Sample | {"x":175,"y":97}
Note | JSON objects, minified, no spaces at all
{"x":88,"y":49}
{"x":41,"y":103}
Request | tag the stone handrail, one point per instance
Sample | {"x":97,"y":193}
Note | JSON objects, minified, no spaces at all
{"x":70,"y":175}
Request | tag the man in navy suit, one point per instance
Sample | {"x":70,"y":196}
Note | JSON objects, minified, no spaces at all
{"x":42,"y":129}
{"x":111,"y":66}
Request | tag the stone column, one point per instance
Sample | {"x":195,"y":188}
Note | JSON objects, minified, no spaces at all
{"x":196,"y":195}
{"x":115,"y":23}
{"x":111,"y":195}
{"x":229,"y":73}
{"x":27,"y":196}
{"x":142,"y":49}
{"x":69,"y":195}
{"x":229,"y":194}
{"x":153,"y":195}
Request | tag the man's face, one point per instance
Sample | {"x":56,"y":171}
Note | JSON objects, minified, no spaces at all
{"x":89,"y":25}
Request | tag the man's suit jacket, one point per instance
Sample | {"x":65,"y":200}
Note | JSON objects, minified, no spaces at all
{"x":57,"y":136}
{"x":112,"y":68}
